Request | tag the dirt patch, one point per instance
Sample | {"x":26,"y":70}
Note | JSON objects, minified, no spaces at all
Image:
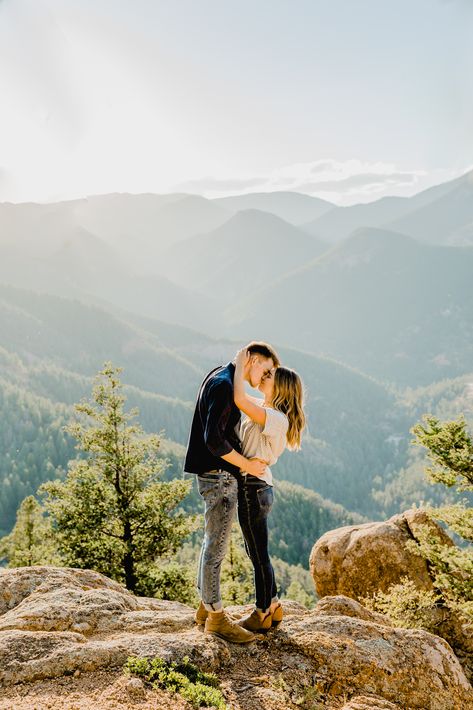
{"x":102,"y":690}
{"x":262,"y":684}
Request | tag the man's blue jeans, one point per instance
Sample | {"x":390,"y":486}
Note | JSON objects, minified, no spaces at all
{"x":220,"y":494}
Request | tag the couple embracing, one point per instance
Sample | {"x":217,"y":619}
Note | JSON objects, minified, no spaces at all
{"x":231,"y":456}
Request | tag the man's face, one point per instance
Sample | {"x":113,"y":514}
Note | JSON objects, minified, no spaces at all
{"x":260,"y":367}
{"x":266,"y":386}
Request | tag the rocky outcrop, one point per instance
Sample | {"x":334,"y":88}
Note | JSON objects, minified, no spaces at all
{"x":344,"y":606}
{"x":58,"y":621}
{"x":360,"y":560}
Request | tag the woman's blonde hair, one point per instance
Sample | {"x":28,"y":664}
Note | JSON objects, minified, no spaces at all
{"x":288,"y":398}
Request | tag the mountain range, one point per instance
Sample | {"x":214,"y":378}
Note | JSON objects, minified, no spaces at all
{"x":442,"y":215}
{"x":391,"y":306}
{"x":253,"y":266}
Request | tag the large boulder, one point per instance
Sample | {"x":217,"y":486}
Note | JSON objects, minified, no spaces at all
{"x":58,"y":622}
{"x":360,"y":560}
{"x":354,"y":655}
{"x":19,"y":583}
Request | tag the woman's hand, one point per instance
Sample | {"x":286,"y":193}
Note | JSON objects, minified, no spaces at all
{"x":255,"y":467}
{"x":241,"y":358}
{"x":256,"y":412}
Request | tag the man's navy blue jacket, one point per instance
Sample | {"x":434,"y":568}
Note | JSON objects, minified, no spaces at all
{"x":214,"y":426}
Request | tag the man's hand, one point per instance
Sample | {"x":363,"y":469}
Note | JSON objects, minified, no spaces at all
{"x":255,"y":467}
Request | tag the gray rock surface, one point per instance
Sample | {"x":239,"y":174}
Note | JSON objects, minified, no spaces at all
{"x":58,"y":622}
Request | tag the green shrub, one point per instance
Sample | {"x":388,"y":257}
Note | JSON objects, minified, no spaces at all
{"x":406,"y":605}
{"x":198,"y":688}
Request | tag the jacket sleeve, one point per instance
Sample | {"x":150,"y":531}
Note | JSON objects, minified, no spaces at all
{"x":215,"y":417}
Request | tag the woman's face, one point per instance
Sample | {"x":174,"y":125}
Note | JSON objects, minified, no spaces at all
{"x":266,"y":386}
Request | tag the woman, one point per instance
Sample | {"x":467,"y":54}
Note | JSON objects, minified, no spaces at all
{"x":271,"y":424}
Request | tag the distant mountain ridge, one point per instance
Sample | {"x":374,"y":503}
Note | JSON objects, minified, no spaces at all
{"x":230,"y":260}
{"x":293,"y":207}
{"x":379,"y":300}
{"x":216,"y":268}
{"x":441,"y":220}
{"x":136,"y":226}
{"x":45,"y":249}
{"x":434,"y":215}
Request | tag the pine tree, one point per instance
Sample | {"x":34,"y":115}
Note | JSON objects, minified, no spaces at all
{"x":30,"y":542}
{"x":236,"y":580}
{"x":112,"y":513}
{"x":450,"y":449}
{"x":297,"y":593}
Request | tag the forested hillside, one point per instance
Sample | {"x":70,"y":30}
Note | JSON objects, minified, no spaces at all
{"x":351,"y":417}
{"x":379,"y":327}
{"x":36,"y":449}
{"x":33,"y":446}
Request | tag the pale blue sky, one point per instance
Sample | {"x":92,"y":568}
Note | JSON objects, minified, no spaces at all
{"x":346,"y":99}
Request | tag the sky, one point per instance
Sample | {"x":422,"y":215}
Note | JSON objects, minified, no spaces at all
{"x":348,"y":100}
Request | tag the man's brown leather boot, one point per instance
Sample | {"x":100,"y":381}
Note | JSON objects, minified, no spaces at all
{"x":220,"y":625}
{"x":201,"y":615}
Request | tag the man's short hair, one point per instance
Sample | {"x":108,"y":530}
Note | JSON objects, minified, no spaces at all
{"x":259,"y":348}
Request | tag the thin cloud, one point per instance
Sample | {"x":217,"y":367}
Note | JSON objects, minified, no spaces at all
{"x":221,"y":184}
{"x":347,"y":181}
{"x":342,"y":182}
{"x":361,"y":180}
{"x":323,"y":165}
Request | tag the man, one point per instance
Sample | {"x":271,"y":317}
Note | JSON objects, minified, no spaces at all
{"x":213,"y":454}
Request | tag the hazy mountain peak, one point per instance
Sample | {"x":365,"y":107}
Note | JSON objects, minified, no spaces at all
{"x":255,"y":217}
{"x":192,"y":199}
{"x":294,"y":207}
{"x":261,"y":227}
